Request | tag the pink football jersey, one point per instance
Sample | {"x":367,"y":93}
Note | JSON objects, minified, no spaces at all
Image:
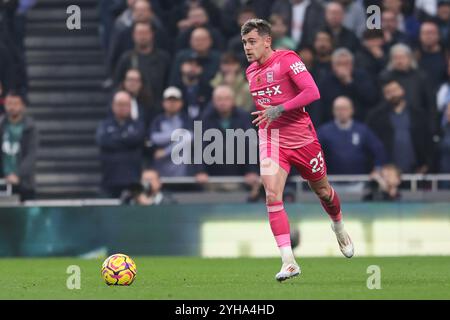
{"x":283,"y":79}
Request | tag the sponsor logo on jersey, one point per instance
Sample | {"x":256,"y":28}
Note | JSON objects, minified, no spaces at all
{"x":265,"y":101}
{"x":269,"y":91}
{"x":298,"y":67}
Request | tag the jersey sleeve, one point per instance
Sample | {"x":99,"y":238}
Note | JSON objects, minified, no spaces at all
{"x":297,"y":72}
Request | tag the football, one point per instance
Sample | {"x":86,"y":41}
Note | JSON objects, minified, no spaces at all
{"x":119,"y":270}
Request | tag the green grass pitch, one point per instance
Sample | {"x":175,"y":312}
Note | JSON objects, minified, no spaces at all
{"x":243,"y":278}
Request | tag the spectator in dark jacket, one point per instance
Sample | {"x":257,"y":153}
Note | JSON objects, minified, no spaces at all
{"x":153,"y":63}
{"x":19,"y":141}
{"x":172,"y":121}
{"x":431,"y":56}
{"x":392,"y":35}
{"x":350,"y":147}
{"x":201,"y":48}
{"x":371,"y":55}
{"x":303,"y":25}
{"x":143,"y":106}
{"x":403,"y":129}
{"x":223,"y":115}
{"x":444,"y":159}
{"x":334,"y":23}
{"x":122,"y":41}
{"x":403,"y":68}
{"x":199,"y":18}
{"x":345,"y":80}
{"x":196,"y":91}
{"x":121,"y":140}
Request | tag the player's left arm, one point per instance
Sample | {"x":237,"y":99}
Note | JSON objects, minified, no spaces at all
{"x":308,"y":91}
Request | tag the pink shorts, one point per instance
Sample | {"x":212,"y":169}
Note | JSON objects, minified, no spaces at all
{"x":308,"y":160}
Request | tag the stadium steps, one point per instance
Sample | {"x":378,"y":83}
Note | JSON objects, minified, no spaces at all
{"x":66,"y":71}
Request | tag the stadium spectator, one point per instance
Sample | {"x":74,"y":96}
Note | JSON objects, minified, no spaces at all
{"x":403,"y":68}
{"x":390,"y":27}
{"x":107,"y":12}
{"x":152,"y":62}
{"x":19,"y":141}
{"x":322,"y":48}
{"x":384,"y":185}
{"x":444,"y":146}
{"x":148,"y":192}
{"x":350,"y":146}
{"x":196,"y":91}
{"x":125,"y":19}
{"x":406,"y":20}
{"x":120,"y":139}
{"x":431,"y":56}
{"x":402,"y":129}
{"x":354,"y":16}
{"x":161,"y":130}
{"x":231,"y":74}
{"x":7,"y":74}
{"x":201,"y":47}
{"x":345,"y":80}
{"x":334,"y":24}
{"x":305,"y":18}
{"x":222,"y":116}
{"x":443,"y":94}
{"x":442,"y":20}
{"x":233,"y":8}
{"x":178,"y":15}
{"x":371,"y":55}
{"x":143,"y":107}
{"x":281,"y":40}
{"x":235,"y":43}
{"x":198,"y":17}
{"x":122,"y":40}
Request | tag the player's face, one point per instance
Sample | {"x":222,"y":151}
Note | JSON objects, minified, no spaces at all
{"x":255,"y":45}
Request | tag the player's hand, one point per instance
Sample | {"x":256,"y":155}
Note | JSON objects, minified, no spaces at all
{"x":267,"y":115}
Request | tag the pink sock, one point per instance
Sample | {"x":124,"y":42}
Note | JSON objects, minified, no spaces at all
{"x":333,"y":207}
{"x":279,"y":223}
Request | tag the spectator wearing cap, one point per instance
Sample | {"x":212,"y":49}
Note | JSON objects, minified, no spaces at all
{"x":196,"y":91}
{"x":350,"y":146}
{"x":121,"y":142}
{"x":201,"y":49}
{"x":152,"y":62}
{"x":19,"y":141}
{"x":231,"y":74}
{"x":173,"y":118}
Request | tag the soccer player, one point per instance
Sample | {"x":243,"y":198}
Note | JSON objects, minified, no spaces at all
{"x":281,"y":88}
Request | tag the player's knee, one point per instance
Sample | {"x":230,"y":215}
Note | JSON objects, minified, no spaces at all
{"x":324,"y":193}
{"x":271,"y":197}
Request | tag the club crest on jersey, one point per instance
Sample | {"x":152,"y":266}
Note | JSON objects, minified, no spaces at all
{"x":269,"y":76}
{"x":258,"y":80}
{"x":298,"y":67}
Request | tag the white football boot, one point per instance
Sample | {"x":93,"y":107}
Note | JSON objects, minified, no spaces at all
{"x":344,"y":241}
{"x":288,"y":270}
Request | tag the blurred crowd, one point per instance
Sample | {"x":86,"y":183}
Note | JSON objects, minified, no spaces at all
{"x":385,"y":93}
